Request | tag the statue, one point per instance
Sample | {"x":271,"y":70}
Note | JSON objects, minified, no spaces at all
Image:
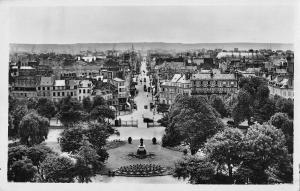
{"x":141,"y":149}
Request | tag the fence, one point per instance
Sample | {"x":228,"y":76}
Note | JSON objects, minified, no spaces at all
{"x":153,"y":124}
{"x":123,"y":123}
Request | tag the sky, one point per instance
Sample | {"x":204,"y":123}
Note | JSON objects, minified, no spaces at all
{"x":267,"y":23}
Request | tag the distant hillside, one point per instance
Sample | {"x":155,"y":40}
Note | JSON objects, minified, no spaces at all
{"x":143,"y":46}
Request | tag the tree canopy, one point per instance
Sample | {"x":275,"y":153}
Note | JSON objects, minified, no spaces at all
{"x":193,"y":120}
{"x":33,"y":129}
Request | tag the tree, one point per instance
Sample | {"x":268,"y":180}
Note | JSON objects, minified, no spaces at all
{"x":263,"y":110}
{"x":96,"y":133}
{"x":193,"y":120}
{"x":218,"y":104}
{"x":16,"y":153}
{"x":46,"y":107}
{"x":98,"y":101}
{"x":58,"y":169}
{"x":162,"y":108}
{"x":225,"y":148}
{"x":70,"y":139}
{"x":101,"y":113}
{"x":285,"y":106}
{"x":32,"y":103}
{"x":87,"y":104}
{"x":70,"y":112}
{"x":89,"y":162}
{"x":198,"y":170}
{"x":264,"y":146}
{"x":38,"y":153}
{"x":242,"y":110}
{"x":33,"y":129}
{"x":282,"y":121}
{"x":16,"y":117}
{"x":22,"y":171}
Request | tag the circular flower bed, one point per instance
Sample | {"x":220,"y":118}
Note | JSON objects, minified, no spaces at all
{"x":140,"y":170}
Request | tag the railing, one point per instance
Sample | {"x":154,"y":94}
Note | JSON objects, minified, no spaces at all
{"x":123,"y":123}
{"x":153,"y":124}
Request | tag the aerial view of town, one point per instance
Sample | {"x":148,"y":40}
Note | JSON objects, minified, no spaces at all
{"x":151,"y":112}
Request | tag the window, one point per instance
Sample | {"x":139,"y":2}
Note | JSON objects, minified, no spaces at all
{"x":79,"y":98}
{"x":88,"y":91}
{"x":39,"y":88}
{"x":53,"y":87}
{"x":79,"y":91}
{"x":44,"y":88}
{"x":71,"y":93}
{"x":84,"y":91}
{"x":63,"y":94}
{"x":53,"y":93}
{"x":58,"y":94}
{"x":48,"y":88}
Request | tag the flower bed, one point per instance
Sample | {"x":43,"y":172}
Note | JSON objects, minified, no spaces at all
{"x":140,"y":170}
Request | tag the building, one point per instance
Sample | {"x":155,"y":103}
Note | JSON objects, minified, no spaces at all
{"x":45,"y":86}
{"x":282,"y":86}
{"x":213,"y":83}
{"x":24,"y":87}
{"x":84,"y":89}
{"x":64,"y":88}
{"x":123,"y":93}
{"x":180,"y":84}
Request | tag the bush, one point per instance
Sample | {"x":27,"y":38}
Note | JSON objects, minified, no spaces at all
{"x":154,"y":141}
{"x":129,"y":140}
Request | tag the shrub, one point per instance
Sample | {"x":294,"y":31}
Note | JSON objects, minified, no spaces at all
{"x":154,"y":141}
{"x":129,"y":140}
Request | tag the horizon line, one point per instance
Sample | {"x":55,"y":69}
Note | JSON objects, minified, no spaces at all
{"x":239,"y":42}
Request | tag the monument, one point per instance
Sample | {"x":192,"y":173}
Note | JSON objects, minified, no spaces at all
{"x":141,"y":149}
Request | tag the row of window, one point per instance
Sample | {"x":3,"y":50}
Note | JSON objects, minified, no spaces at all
{"x":83,"y":91}
{"x":63,"y":94}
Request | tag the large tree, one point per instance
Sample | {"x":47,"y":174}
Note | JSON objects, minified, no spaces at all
{"x":282,"y":121}
{"x":88,"y":162}
{"x":100,"y":113}
{"x":97,"y":133}
{"x":58,"y":169}
{"x":219,"y":105}
{"x":98,"y":101}
{"x":70,"y":112}
{"x":197,"y":170}
{"x":15,"y":118}
{"x":46,"y":107}
{"x":263,"y":147}
{"x":22,"y":171}
{"x":33,"y":129}
{"x":225,"y":148}
{"x":285,"y":106}
{"x":193,"y":120}
{"x":243,"y":108}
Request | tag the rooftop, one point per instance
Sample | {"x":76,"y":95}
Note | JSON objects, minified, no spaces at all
{"x":215,"y":76}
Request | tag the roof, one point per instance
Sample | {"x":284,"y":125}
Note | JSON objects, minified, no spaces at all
{"x":46,"y":81}
{"x":237,"y":54}
{"x":216,"y":76}
{"x":60,"y":83}
{"x":118,"y":80}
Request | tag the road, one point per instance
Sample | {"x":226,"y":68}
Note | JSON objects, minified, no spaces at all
{"x":142,"y":99}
